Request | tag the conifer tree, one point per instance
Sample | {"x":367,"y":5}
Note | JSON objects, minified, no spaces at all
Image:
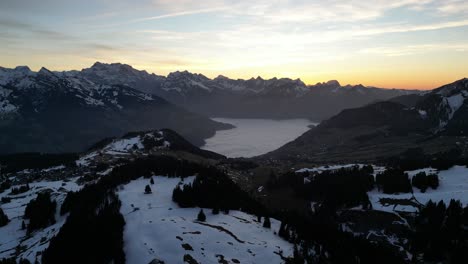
{"x":148,"y":189}
{"x":266,"y":222}
{"x":40,"y":212}
{"x":3,"y":218}
{"x":282,"y":230}
{"x":201,"y":216}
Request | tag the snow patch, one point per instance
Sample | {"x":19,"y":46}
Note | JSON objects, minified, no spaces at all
{"x":455,"y":102}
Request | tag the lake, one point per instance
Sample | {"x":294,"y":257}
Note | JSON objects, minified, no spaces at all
{"x":253,"y":137}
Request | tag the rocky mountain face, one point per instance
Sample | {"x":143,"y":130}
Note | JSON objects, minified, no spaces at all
{"x":252,"y":98}
{"x":434,"y":121}
{"x":65,"y":112}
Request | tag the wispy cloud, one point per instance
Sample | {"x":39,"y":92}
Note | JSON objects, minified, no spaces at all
{"x":451,"y":7}
{"x":414,"y":49}
{"x":178,"y":14}
{"x":40,"y":34}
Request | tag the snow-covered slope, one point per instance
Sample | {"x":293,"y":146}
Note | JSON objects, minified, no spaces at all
{"x":120,"y":74}
{"x":156,"y":228}
{"x":442,"y":104}
{"x":67,"y":112}
{"x":140,"y":144}
{"x":14,"y":240}
{"x":18,"y":83}
{"x":135,"y":144}
{"x":453,"y":184}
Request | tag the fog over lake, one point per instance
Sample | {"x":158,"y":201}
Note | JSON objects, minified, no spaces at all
{"x":253,"y":137}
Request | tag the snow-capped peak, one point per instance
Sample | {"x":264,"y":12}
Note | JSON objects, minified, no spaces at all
{"x":333,"y":83}
{"x":46,"y":72}
{"x":23,"y":69}
{"x":460,"y":86}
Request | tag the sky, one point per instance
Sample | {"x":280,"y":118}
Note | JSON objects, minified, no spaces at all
{"x":412,"y":44}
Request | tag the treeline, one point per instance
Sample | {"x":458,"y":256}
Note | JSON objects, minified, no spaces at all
{"x":423,"y":181}
{"x":40,"y":212}
{"x":93,"y":232}
{"x":393,"y":181}
{"x":214,"y":189}
{"x":21,"y":189}
{"x":345,"y":187}
{"x":441,"y":233}
{"x":397,"y":181}
{"x":22,"y":161}
{"x":318,"y":238}
{"x":415,"y":158}
{"x":13,"y":261}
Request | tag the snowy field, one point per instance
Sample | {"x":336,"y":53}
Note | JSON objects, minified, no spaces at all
{"x":453,"y":184}
{"x":156,"y":228}
{"x":253,"y":137}
{"x":12,"y":234}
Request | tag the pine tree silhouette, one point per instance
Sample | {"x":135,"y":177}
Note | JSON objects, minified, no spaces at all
{"x":148,"y":189}
{"x":201,"y":216}
{"x":3,"y":218}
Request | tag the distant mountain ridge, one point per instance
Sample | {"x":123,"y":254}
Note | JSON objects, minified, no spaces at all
{"x":434,"y":121}
{"x":252,"y":98}
{"x":46,"y":111}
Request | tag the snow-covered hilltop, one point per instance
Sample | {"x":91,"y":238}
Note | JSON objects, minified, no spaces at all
{"x":140,"y":144}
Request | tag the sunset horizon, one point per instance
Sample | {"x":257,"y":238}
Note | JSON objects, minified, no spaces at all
{"x":406,"y":84}
{"x":404,"y":44}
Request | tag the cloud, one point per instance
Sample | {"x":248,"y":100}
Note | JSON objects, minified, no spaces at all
{"x":451,"y":7}
{"x":34,"y":29}
{"x":51,"y":39}
{"x":178,"y":14}
{"x":280,"y":11}
{"x":415,"y":49}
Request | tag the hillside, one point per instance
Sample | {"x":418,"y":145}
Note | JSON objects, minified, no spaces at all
{"x":114,"y":173}
{"x":60,"y":112}
{"x":436,"y":123}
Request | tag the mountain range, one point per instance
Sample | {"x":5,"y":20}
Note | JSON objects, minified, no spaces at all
{"x":238,"y":98}
{"x":48,"y":111}
{"x":53,"y":112}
